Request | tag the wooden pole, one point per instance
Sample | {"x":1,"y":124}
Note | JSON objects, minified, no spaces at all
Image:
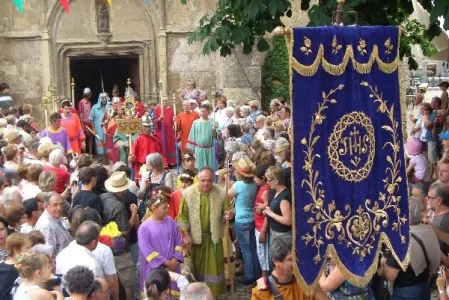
{"x":228,"y":234}
{"x":45,"y":105}
{"x":339,"y":12}
{"x":73,"y":91}
{"x":175,"y":125}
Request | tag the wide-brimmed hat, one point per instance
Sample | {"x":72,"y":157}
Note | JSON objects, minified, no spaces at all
{"x":280,"y":145}
{"x":118,"y":182}
{"x":413,"y":146}
{"x":444,"y":135}
{"x":11,"y":135}
{"x":244,"y":166}
{"x":221,"y":172}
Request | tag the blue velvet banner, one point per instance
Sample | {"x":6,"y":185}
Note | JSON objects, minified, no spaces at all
{"x":350,"y":192}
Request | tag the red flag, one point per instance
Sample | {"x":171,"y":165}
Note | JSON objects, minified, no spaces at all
{"x":65,"y":4}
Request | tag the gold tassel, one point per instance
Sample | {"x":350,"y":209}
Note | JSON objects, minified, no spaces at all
{"x":337,"y":70}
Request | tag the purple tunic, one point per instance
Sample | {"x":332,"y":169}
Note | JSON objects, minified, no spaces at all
{"x":158,"y":242}
{"x":58,"y":136}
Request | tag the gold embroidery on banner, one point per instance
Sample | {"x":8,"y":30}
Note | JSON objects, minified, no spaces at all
{"x":361,"y":47}
{"x":307,"y":45}
{"x":336,"y":70}
{"x":357,"y":231}
{"x":357,"y":146}
{"x":335,"y":46}
{"x":388,"y":46}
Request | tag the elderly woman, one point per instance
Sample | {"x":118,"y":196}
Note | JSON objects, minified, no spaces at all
{"x":44,"y":149}
{"x":424,"y":259}
{"x":11,"y":195}
{"x":62,"y":175}
{"x":279,"y":209}
{"x":190,"y":92}
{"x":155,"y":176}
{"x":245,"y":111}
{"x":47,"y":183}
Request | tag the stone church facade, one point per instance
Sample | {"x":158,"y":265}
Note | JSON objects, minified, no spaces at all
{"x":131,"y":39}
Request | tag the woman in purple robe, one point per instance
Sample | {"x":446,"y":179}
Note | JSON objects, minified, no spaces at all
{"x":160,"y":243}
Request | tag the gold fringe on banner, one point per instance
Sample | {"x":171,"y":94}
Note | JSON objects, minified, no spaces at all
{"x":337,"y":70}
{"x":330,"y":250}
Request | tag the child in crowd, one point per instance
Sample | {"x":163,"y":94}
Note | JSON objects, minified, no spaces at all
{"x":160,"y":242}
{"x":418,"y":167}
{"x":188,"y":163}
{"x":186,"y":177}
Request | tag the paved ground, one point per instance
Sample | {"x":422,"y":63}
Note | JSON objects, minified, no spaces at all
{"x":242,"y":292}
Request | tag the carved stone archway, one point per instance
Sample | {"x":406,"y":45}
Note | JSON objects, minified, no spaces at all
{"x":62,"y":41}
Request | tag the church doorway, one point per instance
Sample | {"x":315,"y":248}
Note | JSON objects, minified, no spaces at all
{"x":88,"y":72}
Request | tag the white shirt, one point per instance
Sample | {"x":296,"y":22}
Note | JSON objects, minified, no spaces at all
{"x":75,"y":255}
{"x":25,"y":135}
{"x":104,"y":255}
{"x":29,"y":191}
{"x":25,"y":228}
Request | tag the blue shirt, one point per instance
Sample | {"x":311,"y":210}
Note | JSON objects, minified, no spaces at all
{"x":429,"y":136}
{"x":244,"y":201}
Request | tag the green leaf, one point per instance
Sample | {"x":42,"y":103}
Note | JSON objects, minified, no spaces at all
{"x":440,"y":9}
{"x":247,"y":48}
{"x":214,"y":44}
{"x":263,"y":45}
{"x":272,"y":7}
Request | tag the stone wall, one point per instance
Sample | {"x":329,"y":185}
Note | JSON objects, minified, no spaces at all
{"x":32,"y":46}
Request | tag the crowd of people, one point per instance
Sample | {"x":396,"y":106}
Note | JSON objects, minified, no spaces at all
{"x":182,"y":208}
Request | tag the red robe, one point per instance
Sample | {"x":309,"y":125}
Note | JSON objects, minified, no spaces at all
{"x":74,"y":130}
{"x":140,"y":109}
{"x":165,"y":130}
{"x":112,"y":152}
{"x":185,"y":121}
{"x":142,"y":146}
{"x":72,"y":110}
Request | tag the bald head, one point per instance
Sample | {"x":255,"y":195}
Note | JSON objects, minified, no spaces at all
{"x":186,"y":105}
{"x":196,"y":291}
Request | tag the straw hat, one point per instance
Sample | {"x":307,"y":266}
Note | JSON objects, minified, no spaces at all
{"x":244,"y":166}
{"x":221,"y":172}
{"x":280,"y":145}
{"x":118,"y":182}
{"x":11,"y":135}
{"x":413,"y":147}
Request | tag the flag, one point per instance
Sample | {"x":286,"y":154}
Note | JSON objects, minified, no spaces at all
{"x":65,"y":5}
{"x":19,"y":5}
{"x":349,"y":180}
